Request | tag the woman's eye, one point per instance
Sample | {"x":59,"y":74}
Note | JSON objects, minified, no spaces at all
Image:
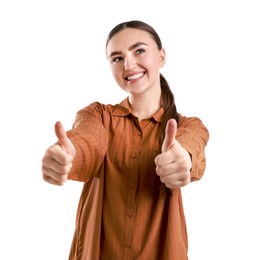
{"x":116,"y":59}
{"x":139,"y":51}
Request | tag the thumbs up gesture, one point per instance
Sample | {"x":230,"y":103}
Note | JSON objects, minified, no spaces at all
{"x":57,"y":160}
{"x":174,"y":163}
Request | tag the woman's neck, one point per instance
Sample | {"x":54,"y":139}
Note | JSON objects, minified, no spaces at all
{"x":145,"y":105}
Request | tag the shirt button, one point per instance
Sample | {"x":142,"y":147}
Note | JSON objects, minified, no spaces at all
{"x":134,"y":155}
{"x":129,"y":213}
{"x":132,"y":185}
{"x":127,"y":244}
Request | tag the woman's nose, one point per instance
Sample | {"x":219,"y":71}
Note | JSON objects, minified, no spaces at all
{"x":130,"y":63}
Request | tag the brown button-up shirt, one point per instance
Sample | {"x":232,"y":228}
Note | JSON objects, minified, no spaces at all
{"x":125,"y":212}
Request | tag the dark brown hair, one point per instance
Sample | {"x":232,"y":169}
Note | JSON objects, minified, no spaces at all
{"x":167,"y":95}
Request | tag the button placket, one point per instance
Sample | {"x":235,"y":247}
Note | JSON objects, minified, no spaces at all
{"x":136,"y":146}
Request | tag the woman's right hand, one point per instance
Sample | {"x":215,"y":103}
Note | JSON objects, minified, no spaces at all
{"x":57,"y":160}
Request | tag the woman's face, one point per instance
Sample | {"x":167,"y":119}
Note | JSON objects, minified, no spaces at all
{"x":135,"y":60}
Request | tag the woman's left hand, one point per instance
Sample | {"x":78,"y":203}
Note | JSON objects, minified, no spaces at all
{"x":173,"y":165}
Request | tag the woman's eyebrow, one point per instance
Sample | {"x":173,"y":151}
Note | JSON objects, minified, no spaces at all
{"x":113,"y":53}
{"x":136,"y":45}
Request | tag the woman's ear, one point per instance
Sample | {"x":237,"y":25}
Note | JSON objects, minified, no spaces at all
{"x":162,"y":57}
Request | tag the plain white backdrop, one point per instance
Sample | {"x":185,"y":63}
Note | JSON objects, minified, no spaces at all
{"x":52,"y":63}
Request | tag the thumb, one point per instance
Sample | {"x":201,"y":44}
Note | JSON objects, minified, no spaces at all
{"x":63,"y":140}
{"x":170,"y":134}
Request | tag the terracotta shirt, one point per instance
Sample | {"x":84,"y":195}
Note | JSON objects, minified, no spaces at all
{"x":124,"y":211}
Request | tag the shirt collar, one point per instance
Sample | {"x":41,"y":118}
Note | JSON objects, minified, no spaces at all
{"x":124,"y":109}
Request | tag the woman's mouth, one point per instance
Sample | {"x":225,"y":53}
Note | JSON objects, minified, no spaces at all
{"x":136,"y":76}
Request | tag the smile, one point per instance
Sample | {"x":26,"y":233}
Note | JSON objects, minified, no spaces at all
{"x":136,"y":76}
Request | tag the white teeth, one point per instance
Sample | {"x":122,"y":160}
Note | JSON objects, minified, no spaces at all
{"x":135,"y":76}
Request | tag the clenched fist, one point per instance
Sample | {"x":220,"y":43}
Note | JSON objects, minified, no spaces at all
{"x":173,"y":165}
{"x":58,"y":158}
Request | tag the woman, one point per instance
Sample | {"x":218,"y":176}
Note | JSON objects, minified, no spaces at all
{"x":133,"y":158}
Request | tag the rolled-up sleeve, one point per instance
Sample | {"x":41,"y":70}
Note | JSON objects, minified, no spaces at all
{"x":89,"y":137}
{"x":193,"y":136}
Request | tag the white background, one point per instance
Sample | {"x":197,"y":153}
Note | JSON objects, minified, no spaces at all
{"x":52,"y":63}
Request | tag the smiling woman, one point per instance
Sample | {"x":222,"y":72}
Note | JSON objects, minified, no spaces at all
{"x":135,"y":63}
{"x":133,"y":157}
